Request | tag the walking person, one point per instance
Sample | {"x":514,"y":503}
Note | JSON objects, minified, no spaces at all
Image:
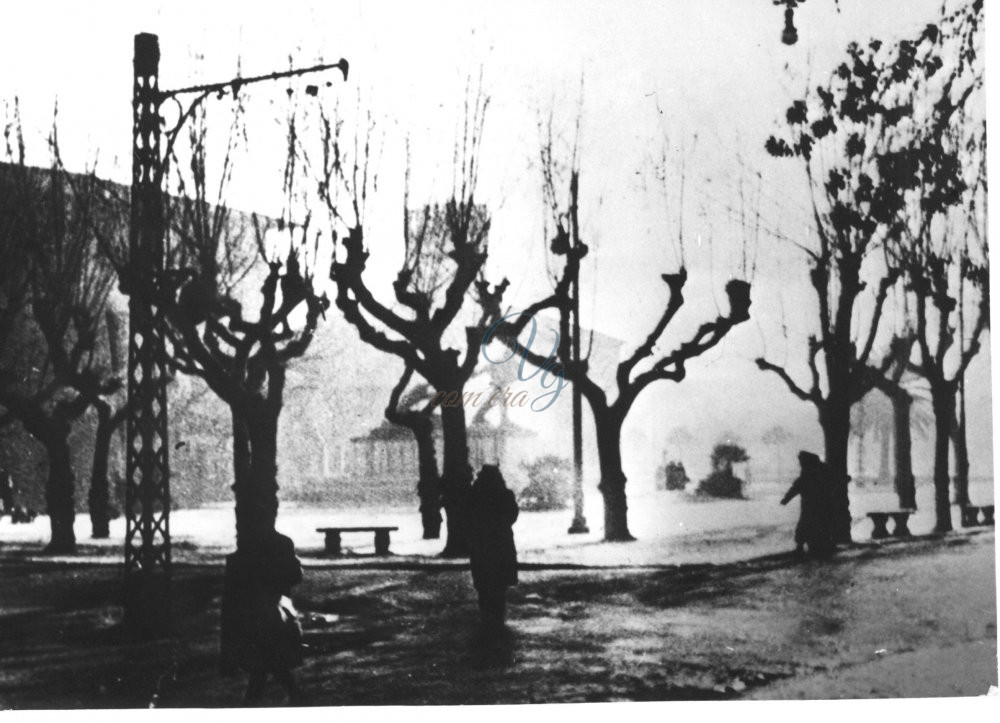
{"x":492,"y":513}
{"x":260,"y":630}
{"x":814,"y":532}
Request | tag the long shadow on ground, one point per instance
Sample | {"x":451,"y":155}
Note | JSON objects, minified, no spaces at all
{"x":409,"y":636}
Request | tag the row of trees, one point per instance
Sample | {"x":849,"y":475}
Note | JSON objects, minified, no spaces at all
{"x":59,"y":333}
{"x":894,"y":149}
{"x":894,"y":156}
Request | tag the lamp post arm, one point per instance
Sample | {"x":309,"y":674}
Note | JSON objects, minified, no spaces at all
{"x":235,"y":85}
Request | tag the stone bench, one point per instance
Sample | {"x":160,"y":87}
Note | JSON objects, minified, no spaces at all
{"x":970,"y":515}
{"x":332,"y":538}
{"x":899,"y":519}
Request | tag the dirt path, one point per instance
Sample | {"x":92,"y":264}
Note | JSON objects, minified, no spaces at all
{"x":877,"y":621}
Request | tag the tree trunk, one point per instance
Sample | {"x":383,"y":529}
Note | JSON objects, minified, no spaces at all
{"x":961,"y":461}
{"x":455,"y":479}
{"x":59,"y":490}
{"x":429,"y":483}
{"x":428,"y":479}
{"x":612,"y":486}
{"x":835,"y":419}
{"x":98,"y":500}
{"x":944,"y":409}
{"x":905,"y":484}
{"x":255,"y":471}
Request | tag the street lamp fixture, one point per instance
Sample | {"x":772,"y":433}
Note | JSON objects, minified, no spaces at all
{"x":789,"y":36}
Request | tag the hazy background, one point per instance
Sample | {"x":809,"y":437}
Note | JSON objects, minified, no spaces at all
{"x":700,"y":84}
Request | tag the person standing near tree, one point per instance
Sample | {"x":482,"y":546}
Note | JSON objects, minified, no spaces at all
{"x":260,"y":630}
{"x":815,"y":529}
{"x":493,"y":557}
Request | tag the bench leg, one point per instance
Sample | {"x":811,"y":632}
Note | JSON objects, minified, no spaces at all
{"x":881,"y":530}
{"x":332,"y":543}
{"x":900,"y":528}
{"x":988,"y":516}
{"x":382,"y":542}
{"x":970,"y":516}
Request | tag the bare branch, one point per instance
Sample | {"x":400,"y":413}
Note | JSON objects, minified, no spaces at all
{"x":798,"y":391}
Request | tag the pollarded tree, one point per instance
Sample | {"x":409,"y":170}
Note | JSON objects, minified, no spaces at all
{"x":445,"y":249}
{"x":216,"y":327}
{"x":55,"y":287}
{"x":848,"y":134}
{"x":426,"y":237}
{"x":642,"y":368}
{"x":418,"y":337}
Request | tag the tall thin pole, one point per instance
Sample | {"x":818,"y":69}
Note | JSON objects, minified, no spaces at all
{"x":147,"y":465}
{"x":959,"y":442}
{"x":579,"y":524}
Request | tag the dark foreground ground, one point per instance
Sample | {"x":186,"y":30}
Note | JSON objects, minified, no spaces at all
{"x":916,"y":619}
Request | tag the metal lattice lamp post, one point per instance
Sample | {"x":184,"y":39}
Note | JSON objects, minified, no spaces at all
{"x":147,"y":467}
{"x":147,"y":463}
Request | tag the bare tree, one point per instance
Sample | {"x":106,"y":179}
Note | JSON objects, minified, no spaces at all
{"x":240,"y":343}
{"x":641,"y":369}
{"x":446,"y":248}
{"x":55,"y":288}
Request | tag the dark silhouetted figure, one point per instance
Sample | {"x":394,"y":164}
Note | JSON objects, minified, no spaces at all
{"x":815,"y":529}
{"x":260,"y":632}
{"x":492,"y":513}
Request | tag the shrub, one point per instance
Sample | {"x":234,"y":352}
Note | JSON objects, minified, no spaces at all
{"x":722,"y":482}
{"x":548,"y":485}
{"x":674,"y":476}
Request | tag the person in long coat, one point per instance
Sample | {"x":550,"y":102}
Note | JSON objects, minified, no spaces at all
{"x":260,"y":632}
{"x":492,"y":513}
{"x":814,"y":531}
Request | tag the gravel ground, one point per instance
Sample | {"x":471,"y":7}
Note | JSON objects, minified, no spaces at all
{"x":880,"y":620}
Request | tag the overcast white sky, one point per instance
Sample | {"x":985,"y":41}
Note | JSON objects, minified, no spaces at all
{"x":712,"y":77}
